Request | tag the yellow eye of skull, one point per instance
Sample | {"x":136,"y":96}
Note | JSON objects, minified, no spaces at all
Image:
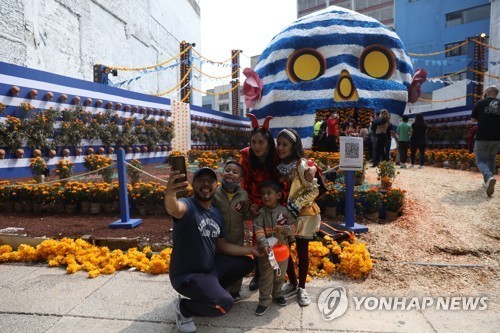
{"x":377,"y":62}
{"x":305,"y":65}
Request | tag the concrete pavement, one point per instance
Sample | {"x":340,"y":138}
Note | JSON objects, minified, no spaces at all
{"x":36,"y":298}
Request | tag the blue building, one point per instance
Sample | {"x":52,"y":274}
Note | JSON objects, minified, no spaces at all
{"x":430,"y":26}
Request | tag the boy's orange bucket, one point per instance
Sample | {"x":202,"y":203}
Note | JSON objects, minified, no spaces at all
{"x":281,"y":252}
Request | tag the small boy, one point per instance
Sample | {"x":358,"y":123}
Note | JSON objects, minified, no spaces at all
{"x":232,"y":201}
{"x":277,"y":221}
{"x":404,"y":133}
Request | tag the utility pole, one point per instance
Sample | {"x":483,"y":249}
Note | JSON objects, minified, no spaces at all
{"x":235,"y":82}
{"x":476,"y":52}
{"x":184,"y":69}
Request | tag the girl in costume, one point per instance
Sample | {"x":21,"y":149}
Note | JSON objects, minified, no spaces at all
{"x":300,"y":194}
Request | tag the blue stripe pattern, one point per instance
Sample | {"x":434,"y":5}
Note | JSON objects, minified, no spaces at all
{"x":300,"y":108}
{"x":284,"y":98}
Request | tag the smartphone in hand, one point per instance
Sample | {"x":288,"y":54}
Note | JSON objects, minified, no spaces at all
{"x":179,"y":163}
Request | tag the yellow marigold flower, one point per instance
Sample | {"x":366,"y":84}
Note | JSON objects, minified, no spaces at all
{"x":157,"y":266}
{"x":329,"y":267}
{"x":73,"y":268}
{"x":5,"y":249}
{"x":94,"y":273}
{"x":53,"y":263}
{"x":108,"y":269}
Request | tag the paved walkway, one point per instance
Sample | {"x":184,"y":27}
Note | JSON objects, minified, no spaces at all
{"x":36,"y":298}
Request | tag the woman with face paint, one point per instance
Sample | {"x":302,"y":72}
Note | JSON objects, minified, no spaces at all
{"x":259,"y":163}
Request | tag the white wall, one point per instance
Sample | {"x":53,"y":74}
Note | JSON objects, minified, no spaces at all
{"x":455,"y":90}
{"x":68,"y":37}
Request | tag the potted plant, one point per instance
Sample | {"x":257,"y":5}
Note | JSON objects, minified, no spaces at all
{"x":64,"y":169}
{"x":101,"y":194}
{"x":134,"y":168}
{"x":332,"y":198}
{"x":74,"y":192}
{"x":38,"y":169}
{"x":6,"y":196}
{"x":99,"y":162}
{"x":370,"y":201}
{"x":3,"y":107}
{"x":191,"y":154}
{"x":39,"y":128}
{"x":12,"y":134}
{"x":142,"y":195}
{"x":386,"y":172}
{"x":394,"y":200}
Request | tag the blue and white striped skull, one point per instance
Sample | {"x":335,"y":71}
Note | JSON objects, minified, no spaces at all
{"x":334,"y":58}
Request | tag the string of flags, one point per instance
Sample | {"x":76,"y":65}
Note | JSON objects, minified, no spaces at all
{"x":143,"y":73}
{"x":445,"y":62}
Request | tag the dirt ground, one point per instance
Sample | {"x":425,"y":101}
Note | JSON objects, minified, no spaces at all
{"x":446,"y":241}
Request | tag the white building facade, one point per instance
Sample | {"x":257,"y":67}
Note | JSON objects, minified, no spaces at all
{"x":68,"y":37}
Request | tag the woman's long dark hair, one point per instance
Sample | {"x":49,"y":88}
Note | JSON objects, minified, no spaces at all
{"x":271,"y":151}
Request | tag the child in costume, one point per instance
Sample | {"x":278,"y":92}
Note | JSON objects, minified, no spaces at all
{"x":232,"y":201}
{"x":276,"y":221}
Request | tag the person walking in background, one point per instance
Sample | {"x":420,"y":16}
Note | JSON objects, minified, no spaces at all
{"x":333,"y":131}
{"x":373,"y":137}
{"x":276,"y":221}
{"x":391,"y":140}
{"x":418,"y":140}
{"x":202,"y":263}
{"x":486,"y":113}
{"x":300,"y":194}
{"x":381,"y":124}
{"x":363,"y":133}
{"x":404,"y":132}
{"x":232,"y":202}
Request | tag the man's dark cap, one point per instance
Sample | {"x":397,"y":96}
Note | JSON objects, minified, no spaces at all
{"x":204,"y":171}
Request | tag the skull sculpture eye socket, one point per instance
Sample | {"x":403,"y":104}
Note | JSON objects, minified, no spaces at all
{"x":305,"y":65}
{"x":378,"y":62}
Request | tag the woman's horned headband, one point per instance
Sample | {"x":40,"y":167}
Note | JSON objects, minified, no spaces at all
{"x":255,"y":123}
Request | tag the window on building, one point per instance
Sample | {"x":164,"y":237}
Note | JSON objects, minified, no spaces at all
{"x":224,"y":96}
{"x":207,"y":106}
{"x":224,"y":107}
{"x":307,"y":4}
{"x":454,"y":78}
{"x":451,"y":51}
{"x":468,"y":15}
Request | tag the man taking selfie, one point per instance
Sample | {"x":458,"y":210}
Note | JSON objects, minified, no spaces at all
{"x":202,"y":263}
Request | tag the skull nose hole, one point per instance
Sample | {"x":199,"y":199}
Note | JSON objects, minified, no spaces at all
{"x":345,"y":90}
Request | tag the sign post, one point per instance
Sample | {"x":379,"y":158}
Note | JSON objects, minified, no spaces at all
{"x":351,"y":160}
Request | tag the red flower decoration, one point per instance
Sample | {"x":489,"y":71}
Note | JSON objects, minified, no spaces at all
{"x":252,"y":87}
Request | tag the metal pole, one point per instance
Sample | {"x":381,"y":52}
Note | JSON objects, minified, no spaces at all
{"x":125,"y":222}
{"x":349,"y":204}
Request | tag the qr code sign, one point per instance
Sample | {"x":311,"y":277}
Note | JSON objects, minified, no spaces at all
{"x":352,"y":150}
